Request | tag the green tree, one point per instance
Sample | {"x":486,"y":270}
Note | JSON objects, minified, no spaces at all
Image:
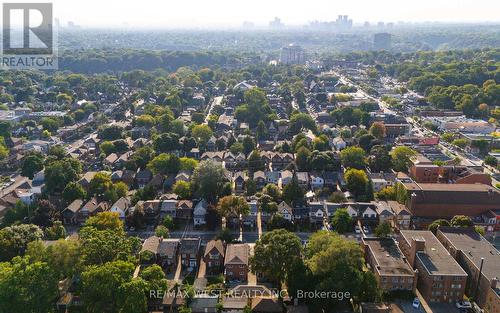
{"x":401,"y":158}
{"x":233,"y":206}
{"x":201,"y":133}
{"x":379,"y":159}
{"x":73,"y":191}
{"x":383,"y":230}
{"x":63,"y":256}
{"x":187,"y":164}
{"x":56,"y":231}
{"x":182,"y":189}
{"x":461,"y":221}
{"x":248,"y":145}
{"x":105,"y":220}
{"x":208,"y":181}
{"x":356,"y":181}
{"x":102,"y":286}
{"x":107,"y":147}
{"x":292,"y":193}
{"x":342,"y":221}
{"x":32,"y":164}
{"x":164,"y":164}
{"x":436,"y":224}
{"x":273,"y":191}
{"x":353,"y":157}
{"x":14,"y":239}
{"x":59,"y":173}
{"x":275,"y":253}
{"x":378,"y":130}
{"x":161,"y":231}
{"x":302,"y":159}
{"x":27,"y":287}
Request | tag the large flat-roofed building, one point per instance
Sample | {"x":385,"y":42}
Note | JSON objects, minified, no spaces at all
{"x":470,"y":249}
{"x":389,"y":265}
{"x":447,"y":200}
{"x":440,"y":278}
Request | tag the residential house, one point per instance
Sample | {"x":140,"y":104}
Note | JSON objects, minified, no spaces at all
{"x":91,"y":208}
{"x":151,"y":210}
{"x":285,"y":211}
{"x":167,"y":253}
{"x":260,"y":179}
{"x":214,"y":257}
{"x":251,"y":218}
{"x":200,"y":212}
{"x":303,"y":179}
{"x":316,"y":213}
{"x":266,"y":305}
{"x":286,"y":177}
{"x":272,"y":177}
{"x":189,"y":251}
{"x":85,"y":180}
{"x":168,"y":208}
{"x":121,"y":207}
{"x":70,"y":213}
{"x":143,"y":177}
{"x":317,"y":181}
{"x":236,"y":262}
{"x":184,"y":210}
{"x":239,"y":179}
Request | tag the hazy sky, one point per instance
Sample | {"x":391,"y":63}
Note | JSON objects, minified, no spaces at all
{"x":221,"y":13}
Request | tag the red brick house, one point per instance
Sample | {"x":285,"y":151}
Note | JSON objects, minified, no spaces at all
{"x":214,"y":257}
{"x":236,"y":262}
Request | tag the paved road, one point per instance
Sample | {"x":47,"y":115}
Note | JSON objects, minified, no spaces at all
{"x":215,"y":101}
{"x":249,"y":236}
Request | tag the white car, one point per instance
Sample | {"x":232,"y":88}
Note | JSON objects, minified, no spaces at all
{"x":357,"y":230}
{"x":416,"y":303}
{"x":464,"y":305}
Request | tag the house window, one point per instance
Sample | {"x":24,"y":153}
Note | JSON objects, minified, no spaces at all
{"x":216,"y":263}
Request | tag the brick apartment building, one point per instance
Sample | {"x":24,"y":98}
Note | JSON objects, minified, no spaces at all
{"x":440,"y":278}
{"x":432,"y":173}
{"x":390,"y":266}
{"x":470,"y":249}
{"x":447,"y":200}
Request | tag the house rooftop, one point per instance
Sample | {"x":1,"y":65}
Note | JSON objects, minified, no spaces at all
{"x":435,"y":258}
{"x":237,"y":254}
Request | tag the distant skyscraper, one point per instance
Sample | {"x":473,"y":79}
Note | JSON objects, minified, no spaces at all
{"x":248,"y":25}
{"x":382,"y":41}
{"x":292,"y":54}
{"x":343,"y":21}
{"x":276,"y":23}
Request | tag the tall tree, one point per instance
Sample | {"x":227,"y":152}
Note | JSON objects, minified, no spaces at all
{"x":342,"y":221}
{"x":275,"y":253}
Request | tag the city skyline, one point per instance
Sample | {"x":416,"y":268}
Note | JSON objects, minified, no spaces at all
{"x":224,"y":14}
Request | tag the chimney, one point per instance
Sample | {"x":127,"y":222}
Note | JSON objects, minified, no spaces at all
{"x":494,"y":283}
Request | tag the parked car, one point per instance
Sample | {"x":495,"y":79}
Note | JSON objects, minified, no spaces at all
{"x":357,"y":230}
{"x":464,"y":305}
{"x":416,"y":303}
